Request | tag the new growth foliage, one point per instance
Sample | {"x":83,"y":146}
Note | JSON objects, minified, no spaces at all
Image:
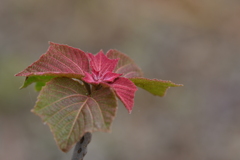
{"x":78,"y":90}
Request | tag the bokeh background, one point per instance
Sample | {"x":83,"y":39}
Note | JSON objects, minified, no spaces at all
{"x":191,"y":42}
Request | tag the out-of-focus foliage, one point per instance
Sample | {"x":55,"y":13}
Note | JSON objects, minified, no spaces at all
{"x":195,"y":43}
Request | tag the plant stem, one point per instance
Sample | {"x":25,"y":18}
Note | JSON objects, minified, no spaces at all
{"x":80,"y":149}
{"x":87,"y":87}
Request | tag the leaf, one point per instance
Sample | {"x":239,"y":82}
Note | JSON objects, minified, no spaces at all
{"x":154,"y":86}
{"x":126,"y":65}
{"x":101,"y":63}
{"x":101,"y":69}
{"x":125,"y":90}
{"x":39,"y":85}
{"x":63,"y":104}
{"x":102,"y":73}
{"x":59,"y":60}
{"x":40,"y":81}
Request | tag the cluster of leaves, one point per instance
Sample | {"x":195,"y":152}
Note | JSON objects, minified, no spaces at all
{"x":78,"y":90}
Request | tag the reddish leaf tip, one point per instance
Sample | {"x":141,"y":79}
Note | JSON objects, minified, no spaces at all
{"x":101,"y":69}
{"x":125,"y":90}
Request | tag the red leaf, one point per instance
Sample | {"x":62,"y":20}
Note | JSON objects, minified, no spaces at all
{"x":101,"y":63}
{"x":101,"y":69}
{"x":125,"y":90}
{"x":110,"y":77}
{"x":126,"y":65}
{"x":102,"y":73}
{"x":59,"y":60}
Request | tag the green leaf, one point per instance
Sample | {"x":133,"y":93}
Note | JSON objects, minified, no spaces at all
{"x":39,"y":85}
{"x":154,"y":86}
{"x":40,"y":81}
{"x":65,"y":106}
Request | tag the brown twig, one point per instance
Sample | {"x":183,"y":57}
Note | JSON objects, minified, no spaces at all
{"x":80,"y":149}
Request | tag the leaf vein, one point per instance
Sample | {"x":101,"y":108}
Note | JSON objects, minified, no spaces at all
{"x":62,"y":63}
{"x":60,"y":100}
{"x":76,"y":118}
{"x":73,"y":62}
{"x":63,"y":109}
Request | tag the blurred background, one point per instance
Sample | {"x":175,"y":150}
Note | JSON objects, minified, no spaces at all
{"x":190,"y":42}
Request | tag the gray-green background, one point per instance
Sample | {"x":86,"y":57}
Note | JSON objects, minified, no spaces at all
{"x":196,"y":43}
